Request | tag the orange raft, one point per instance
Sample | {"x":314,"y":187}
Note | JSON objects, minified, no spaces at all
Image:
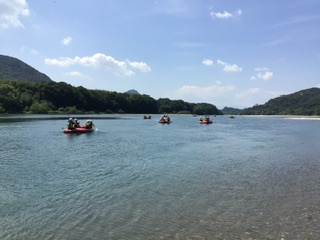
{"x":164,"y":121}
{"x":81,"y":129}
{"x":205,"y":122}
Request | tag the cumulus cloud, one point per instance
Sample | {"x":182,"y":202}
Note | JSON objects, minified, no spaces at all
{"x":262,"y":73}
{"x":62,"y":62}
{"x":74,"y":74}
{"x":101,"y":61}
{"x":204,"y":93}
{"x":229,"y":67}
{"x":252,"y":96}
{"x":225,"y":14}
{"x":143,"y":67}
{"x":207,"y":62}
{"x":223,"y":95}
{"x":29,"y":50}
{"x":11,"y":11}
{"x":78,"y":76}
{"x":66,"y":41}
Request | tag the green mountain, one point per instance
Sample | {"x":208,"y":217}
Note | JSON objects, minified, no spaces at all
{"x":14,"y":69}
{"x":230,"y":110}
{"x":304,"y":102}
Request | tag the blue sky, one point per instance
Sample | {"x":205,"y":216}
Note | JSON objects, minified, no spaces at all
{"x":228,"y":53}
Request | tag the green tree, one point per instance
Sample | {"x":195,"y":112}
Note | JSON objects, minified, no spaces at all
{"x":40,"y":107}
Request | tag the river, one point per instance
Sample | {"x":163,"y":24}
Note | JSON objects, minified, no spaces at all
{"x":251,"y":177}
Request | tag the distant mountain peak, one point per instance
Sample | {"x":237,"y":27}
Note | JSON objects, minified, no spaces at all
{"x":132,"y":91}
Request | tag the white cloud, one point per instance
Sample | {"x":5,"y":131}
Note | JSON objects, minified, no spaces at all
{"x":205,"y":93}
{"x":66,"y":41}
{"x":223,"y":95}
{"x":78,"y":75}
{"x":260,"y":69}
{"x":225,"y":14}
{"x":29,"y":50}
{"x":102,"y":61}
{"x":75,"y":74}
{"x":265,"y":76}
{"x":207,"y":62}
{"x":253,"y":96}
{"x":263,"y":73}
{"x":229,"y":67}
{"x":62,"y":62}
{"x":143,"y":67}
{"x":11,"y":11}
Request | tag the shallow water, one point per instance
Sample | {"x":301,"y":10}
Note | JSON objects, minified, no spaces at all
{"x":243,"y":178}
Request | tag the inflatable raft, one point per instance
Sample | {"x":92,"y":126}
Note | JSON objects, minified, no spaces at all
{"x":164,"y":121}
{"x":81,"y":129}
{"x":205,"y":122}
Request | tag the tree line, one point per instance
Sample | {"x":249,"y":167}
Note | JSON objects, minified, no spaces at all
{"x":60,"y":97}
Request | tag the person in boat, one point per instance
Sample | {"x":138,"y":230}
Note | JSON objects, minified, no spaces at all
{"x":70,"y":123}
{"x":165,"y":117}
{"x":89,"y":124}
{"x":206,"y":118}
{"x":76,"y":123}
{"x":200,"y":119}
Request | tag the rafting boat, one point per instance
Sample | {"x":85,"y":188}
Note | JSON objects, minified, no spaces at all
{"x":164,"y":121}
{"x":205,"y":122}
{"x":81,"y":129}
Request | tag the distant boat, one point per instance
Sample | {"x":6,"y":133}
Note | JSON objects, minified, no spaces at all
{"x":232,"y":116}
{"x":147,"y":117}
{"x":165,"y":119}
{"x":205,"y":120}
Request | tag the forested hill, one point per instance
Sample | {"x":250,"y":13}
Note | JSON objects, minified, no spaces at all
{"x":304,"y":102}
{"x":53,"y":97}
{"x":14,"y":69}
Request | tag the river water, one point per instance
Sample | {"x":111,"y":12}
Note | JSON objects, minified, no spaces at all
{"x":244,"y":178}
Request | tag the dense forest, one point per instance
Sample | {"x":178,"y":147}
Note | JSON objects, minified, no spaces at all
{"x":304,"y":102}
{"x":53,"y":97}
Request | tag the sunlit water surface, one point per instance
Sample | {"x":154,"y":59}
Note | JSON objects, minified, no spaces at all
{"x":242,"y":178}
